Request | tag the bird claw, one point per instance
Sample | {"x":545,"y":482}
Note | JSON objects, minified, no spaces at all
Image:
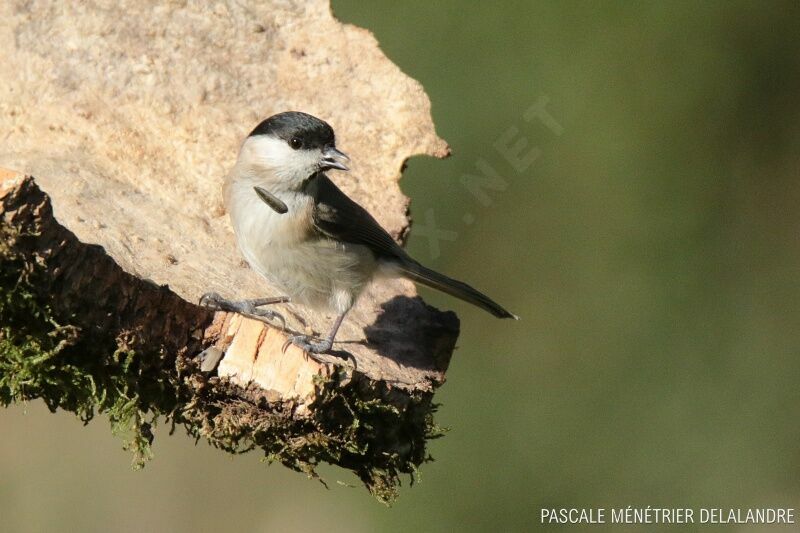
{"x":212,"y":300}
{"x":311,"y":348}
{"x":248,"y":308}
{"x":267,"y":316}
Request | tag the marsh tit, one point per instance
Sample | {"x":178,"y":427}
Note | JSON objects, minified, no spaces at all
{"x":297,"y":229}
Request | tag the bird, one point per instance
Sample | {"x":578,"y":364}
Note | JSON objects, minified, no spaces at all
{"x":305,"y":236}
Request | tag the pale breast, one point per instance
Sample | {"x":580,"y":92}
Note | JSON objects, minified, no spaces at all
{"x":256,"y":224}
{"x":285,"y":249}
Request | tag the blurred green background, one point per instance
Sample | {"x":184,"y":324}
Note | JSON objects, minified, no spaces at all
{"x":652,"y":250}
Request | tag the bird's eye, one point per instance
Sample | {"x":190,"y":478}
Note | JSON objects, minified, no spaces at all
{"x":295,"y":143}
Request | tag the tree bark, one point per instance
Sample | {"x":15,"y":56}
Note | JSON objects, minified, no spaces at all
{"x":105,"y":254}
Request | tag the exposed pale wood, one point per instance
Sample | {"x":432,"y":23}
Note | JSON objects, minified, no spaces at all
{"x":127,"y":351}
{"x":129,"y":116}
{"x":255,"y":353}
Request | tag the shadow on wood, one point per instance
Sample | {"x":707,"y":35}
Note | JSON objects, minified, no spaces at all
{"x":85,"y":336}
{"x":129,"y":116}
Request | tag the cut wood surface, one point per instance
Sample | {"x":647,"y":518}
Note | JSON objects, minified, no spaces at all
{"x":118,"y":122}
{"x":128,"y":116}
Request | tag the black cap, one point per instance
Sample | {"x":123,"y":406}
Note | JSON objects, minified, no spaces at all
{"x":311,"y":131}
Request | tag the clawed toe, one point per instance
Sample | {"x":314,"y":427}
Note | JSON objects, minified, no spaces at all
{"x":311,"y":348}
{"x":212,"y":300}
{"x":249,"y":308}
{"x":260,"y":314}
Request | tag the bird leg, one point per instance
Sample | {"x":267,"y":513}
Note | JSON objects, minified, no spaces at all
{"x":248,"y":308}
{"x":312,"y":348}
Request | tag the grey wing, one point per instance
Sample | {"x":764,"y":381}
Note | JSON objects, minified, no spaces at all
{"x":340,"y":218}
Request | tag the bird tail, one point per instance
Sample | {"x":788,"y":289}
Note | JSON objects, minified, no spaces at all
{"x":420,"y":274}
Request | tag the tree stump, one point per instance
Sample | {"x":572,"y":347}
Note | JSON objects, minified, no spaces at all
{"x":128,"y":117}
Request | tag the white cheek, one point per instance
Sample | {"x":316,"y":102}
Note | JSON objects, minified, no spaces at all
{"x":276,"y":155}
{"x":301,"y":162}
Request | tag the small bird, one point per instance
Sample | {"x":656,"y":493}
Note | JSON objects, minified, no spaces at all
{"x":297,"y":229}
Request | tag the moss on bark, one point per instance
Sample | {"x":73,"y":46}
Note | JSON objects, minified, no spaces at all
{"x":377,"y":432}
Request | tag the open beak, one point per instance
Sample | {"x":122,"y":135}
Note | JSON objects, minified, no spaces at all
{"x":333,"y":158}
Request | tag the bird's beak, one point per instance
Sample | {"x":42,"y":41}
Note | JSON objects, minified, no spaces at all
{"x":333,"y":158}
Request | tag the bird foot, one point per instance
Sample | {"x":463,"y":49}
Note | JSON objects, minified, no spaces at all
{"x":248,"y":308}
{"x":313,"y":349}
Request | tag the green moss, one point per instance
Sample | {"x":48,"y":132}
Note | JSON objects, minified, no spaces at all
{"x":379,"y":434}
{"x":377,"y":441}
{"x":60,"y":363}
